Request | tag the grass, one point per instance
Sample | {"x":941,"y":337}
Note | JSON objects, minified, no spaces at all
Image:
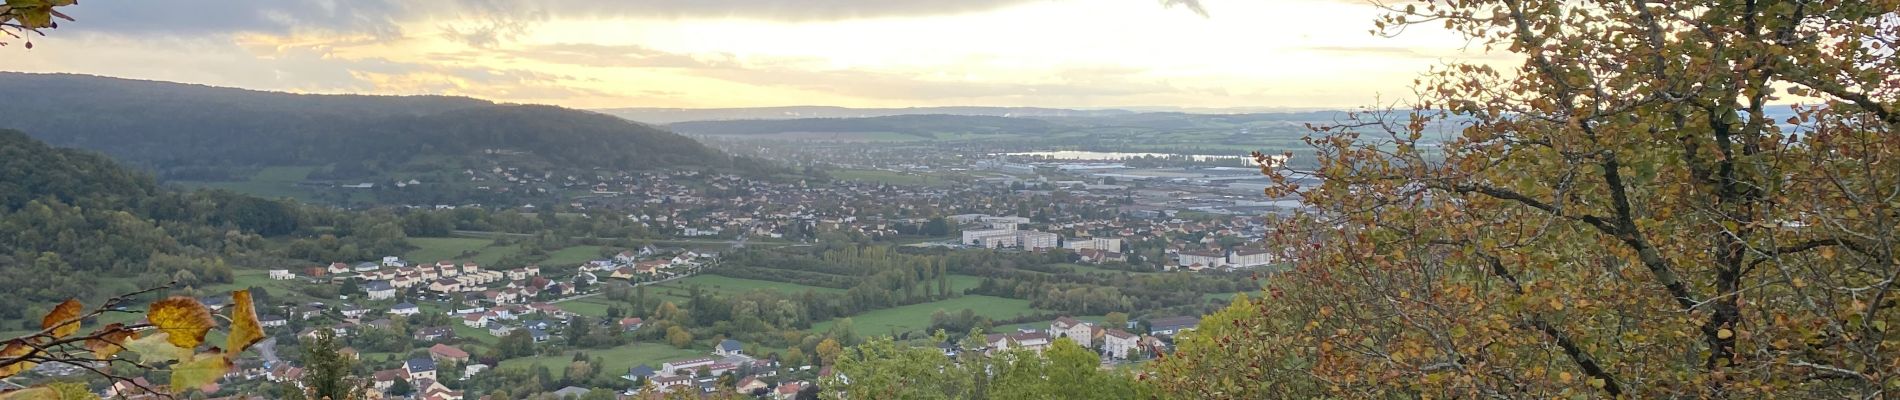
{"x":476,"y":334}
{"x":591,"y":306}
{"x":959,"y":283}
{"x":1100,"y":270}
{"x":916,"y":317}
{"x":429,"y":250}
{"x":725,"y":285}
{"x":573,"y":256}
{"x":270,"y":182}
{"x":616,"y":360}
{"x":894,"y":178}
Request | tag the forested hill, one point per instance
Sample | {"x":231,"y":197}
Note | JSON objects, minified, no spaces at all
{"x":197,"y":132}
{"x":75,"y":224}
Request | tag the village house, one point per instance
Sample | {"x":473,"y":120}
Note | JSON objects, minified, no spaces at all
{"x":1082,"y":333}
{"x":1170,"y":326}
{"x":729,"y":348}
{"x":434,"y":334}
{"x":420,"y":368}
{"x":1198,"y":259}
{"x":446,"y":353}
{"x":379,"y":290}
{"x":281,"y":274}
{"x":1035,"y":341}
{"x":684,"y":367}
{"x":1118,"y":344}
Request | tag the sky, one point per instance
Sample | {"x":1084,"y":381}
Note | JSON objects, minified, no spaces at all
{"x":1293,"y":54}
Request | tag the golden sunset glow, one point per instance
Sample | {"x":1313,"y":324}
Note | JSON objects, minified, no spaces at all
{"x":734,"y":53}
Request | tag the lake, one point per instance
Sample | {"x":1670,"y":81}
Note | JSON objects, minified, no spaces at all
{"x":1117,"y":156}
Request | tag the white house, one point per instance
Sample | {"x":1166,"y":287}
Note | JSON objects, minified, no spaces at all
{"x":1081,"y":332}
{"x":1250,"y":258}
{"x":1118,"y":344}
{"x":1209,"y":258}
{"x":729,"y":348}
{"x":379,"y":290}
{"x":1001,"y":341}
{"x":281,"y":274}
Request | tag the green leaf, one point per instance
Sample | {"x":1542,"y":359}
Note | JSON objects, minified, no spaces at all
{"x":202,"y":370}
{"x":157,"y":348}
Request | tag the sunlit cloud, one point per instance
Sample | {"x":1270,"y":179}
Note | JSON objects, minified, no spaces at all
{"x":736,"y":53}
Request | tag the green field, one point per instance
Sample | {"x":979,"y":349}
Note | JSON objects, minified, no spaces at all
{"x":916,"y":317}
{"x":725,"y":285}
{"x":1084,"y":268}
{"x":894,"y":178}
{"x":959,"y":283}
{"x":576,"y":255}
{"x":270,"y":182}
{"x":430,"y":250}
{"x":591,"y":306}
{"x":616,"y":360}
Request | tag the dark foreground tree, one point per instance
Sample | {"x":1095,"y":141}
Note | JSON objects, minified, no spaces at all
{"x":1623,"y":210}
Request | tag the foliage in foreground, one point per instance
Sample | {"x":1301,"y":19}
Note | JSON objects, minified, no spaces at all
{"x":172,"y":339}
{"x":882,"y":369}
{"x":1623,"y":214}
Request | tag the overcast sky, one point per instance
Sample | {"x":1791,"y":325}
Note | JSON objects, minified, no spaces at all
{"x":745,"y":53}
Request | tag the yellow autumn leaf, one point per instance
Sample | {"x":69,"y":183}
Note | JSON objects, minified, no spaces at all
{"x":245,"y":329}
{"x":157,"y":348}
{"x":111,"y":340}
{"x":32,"y":393}
{"x":14,"y":350}
{"x":1724,"y":333}
{"x":63,"y":320}
{"x":183,"y":319}
{"x":202,"y":370}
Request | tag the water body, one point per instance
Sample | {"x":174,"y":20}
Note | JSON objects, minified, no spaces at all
{"x":1119,"y":156}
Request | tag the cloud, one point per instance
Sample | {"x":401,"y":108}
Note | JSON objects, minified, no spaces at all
{"x":618,"y":56}
{"x":1375,"y":51}
{"x":501,"y":17}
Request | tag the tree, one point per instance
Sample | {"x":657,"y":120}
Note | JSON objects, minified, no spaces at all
{"x":1623,"y":214}
{"x":516,"y":343}
{"x":402,"y":387}
{"x":576,"y":329}
{"x":793,"y":357}
{"x":679,"y":337}
{"x":327,"y":373}
{"x":828,"y":351}
{"x":880,"y":369}
{"x":1116,"y":320}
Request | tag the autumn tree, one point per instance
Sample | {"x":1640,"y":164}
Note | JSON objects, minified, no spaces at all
{"x":20,"y":19}
{"x":328,"y":374}
{"x":1622,"y":209}
{"x":679,"y":337}
{"x":171,"y":339}
{"x":828,"y":351}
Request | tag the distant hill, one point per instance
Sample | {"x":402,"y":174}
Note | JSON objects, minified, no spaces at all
{"x":928,"y":125}
{"x":186,"y":131}
{"x":673,"y":115}
{"x":920,"y":125}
